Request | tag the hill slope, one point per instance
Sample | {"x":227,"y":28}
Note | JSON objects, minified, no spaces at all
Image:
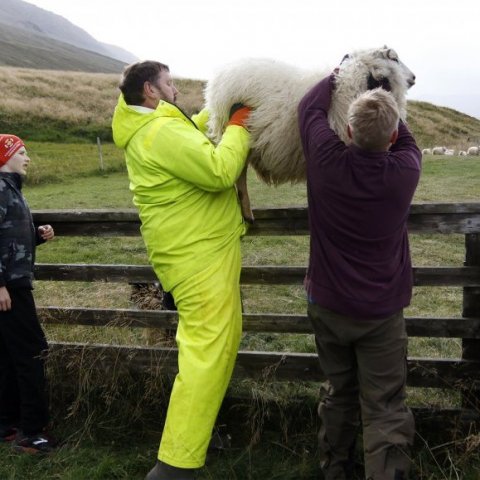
{"x":55,"y":41}
{"x":60,"y":106}
{"x":434,"y":125}
{"x":36,"y":105}
{"x":20,"y":48}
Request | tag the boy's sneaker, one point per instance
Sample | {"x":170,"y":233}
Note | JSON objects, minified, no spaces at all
{"x":34,"y":444}
{"x":7,"y":434}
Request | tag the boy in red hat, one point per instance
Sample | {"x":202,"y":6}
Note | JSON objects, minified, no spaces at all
{"x":23,"y":401}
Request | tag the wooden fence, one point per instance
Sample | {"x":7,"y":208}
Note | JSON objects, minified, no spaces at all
{"x":458,"y":373}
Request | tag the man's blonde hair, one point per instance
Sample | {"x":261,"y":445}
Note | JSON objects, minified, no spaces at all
{"x":373,"y":117}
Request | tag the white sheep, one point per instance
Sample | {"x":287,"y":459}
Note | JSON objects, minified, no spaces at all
{"x":274,"y":90}
{"x":462,"y":153}
{"x":450,"y":151}
{"x":439,"y":150}
{"x":427,"y":151}
{"x":473,"y":151}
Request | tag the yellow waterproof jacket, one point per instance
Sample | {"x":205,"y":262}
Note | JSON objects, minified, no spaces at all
{"x":183,"y":186}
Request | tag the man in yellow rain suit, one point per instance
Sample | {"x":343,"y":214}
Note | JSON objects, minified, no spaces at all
{"x":183,"y":187}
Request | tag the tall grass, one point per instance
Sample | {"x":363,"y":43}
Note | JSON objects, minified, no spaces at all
{"x":57,"y":106}
{"x":60,"y":106}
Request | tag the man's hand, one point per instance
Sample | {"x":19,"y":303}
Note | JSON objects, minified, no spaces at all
{"x":333,"y":80}
{"x":337,"y":69}
{"x":5,"y":301}
{"x":239,"y":114}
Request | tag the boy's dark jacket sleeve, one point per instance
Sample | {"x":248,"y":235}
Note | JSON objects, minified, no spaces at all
{"x":18,"y":236}
{"x":38,"y":239}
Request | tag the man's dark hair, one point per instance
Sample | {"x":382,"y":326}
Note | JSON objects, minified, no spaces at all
{"x":135,"y":76}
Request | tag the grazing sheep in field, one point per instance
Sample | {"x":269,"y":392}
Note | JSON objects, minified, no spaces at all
{"x":274,"y":90}
{"x":450,"y":151}
{"x":473,"y":151}
{"x":439,"y":150}
{"x":462,"y":153}
{"x":427,"y":151}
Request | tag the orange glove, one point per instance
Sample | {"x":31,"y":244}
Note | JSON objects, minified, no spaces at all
{"x":239,"y":115}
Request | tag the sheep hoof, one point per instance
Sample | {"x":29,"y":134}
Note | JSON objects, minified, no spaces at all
{"x":249,"y":219}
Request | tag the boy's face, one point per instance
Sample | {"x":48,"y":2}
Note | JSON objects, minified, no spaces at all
{"x":18,"y":163}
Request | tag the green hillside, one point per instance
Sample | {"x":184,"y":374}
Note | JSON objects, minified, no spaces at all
{"x":433,"y":125}
{"x":59,"y":106}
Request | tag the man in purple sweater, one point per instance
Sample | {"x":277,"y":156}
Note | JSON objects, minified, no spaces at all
{"x":359,"y":278}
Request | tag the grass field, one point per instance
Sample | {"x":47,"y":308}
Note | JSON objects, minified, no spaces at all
{"x":104,"y":440}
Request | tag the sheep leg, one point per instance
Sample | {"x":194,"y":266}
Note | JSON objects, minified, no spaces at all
{"x":242,"y":192}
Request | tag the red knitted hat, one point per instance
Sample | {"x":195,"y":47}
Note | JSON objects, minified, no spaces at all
{"x":9,"y":145}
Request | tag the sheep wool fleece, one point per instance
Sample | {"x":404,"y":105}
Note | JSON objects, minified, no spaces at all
{"x":191,"y":223}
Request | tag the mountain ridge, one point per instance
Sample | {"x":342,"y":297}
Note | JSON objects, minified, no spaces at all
{"x":47,"y":40}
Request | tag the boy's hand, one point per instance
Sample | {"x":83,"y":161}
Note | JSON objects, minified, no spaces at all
{"x":5,"y":301}
{"x":46,"y":232}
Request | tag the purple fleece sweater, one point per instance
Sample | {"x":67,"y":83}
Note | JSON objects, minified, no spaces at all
{"x":358,"y":205}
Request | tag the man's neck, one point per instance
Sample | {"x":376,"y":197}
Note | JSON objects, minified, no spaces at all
{"x":150,"y":103}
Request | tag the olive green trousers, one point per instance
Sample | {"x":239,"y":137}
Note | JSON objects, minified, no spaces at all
{"x":364,"y":362}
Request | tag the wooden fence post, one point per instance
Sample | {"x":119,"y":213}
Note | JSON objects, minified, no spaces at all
{"x":471,"y":309}
{"x":100,"y":155}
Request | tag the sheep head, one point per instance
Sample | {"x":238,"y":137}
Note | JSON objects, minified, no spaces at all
{"x":364,"y":70}
{"x":386,"y":68}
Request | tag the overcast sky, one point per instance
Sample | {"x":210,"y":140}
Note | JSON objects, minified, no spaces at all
{"x":439,"y":40}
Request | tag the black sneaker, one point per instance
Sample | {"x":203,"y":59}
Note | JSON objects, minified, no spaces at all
{"x":34,"y":444}
{"x":7,"y":434}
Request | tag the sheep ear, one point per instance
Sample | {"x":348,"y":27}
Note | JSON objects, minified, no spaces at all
{"x":392,"y":54}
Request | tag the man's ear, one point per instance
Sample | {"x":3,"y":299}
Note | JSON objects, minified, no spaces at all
{"x":349,"y":131}
{"x":394,"y":136}
{"x":150,"y":95}
{"x":148,"y":90}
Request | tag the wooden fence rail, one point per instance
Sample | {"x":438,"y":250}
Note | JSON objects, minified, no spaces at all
{"x":252,"y":322}
{"x":251,"y":275}
{"x":274,"y":366}
{"x":449,"y":218}
{"x":427,"y":218}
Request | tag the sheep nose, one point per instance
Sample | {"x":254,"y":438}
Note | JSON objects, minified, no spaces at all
{"x":411,"y":81}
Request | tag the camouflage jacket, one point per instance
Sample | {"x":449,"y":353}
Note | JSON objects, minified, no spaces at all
{"x":18,"y":236}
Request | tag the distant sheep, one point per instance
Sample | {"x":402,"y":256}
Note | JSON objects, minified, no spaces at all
{"x":462,"y":153}
{"x":427,"y":151}
{"x":450,"y":151}
{"x":274,"y":90}
{"x":473,"y":151}
{"x":439,"y":150}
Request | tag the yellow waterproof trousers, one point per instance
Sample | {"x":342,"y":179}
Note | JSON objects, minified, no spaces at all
{"x":208,"y":337}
